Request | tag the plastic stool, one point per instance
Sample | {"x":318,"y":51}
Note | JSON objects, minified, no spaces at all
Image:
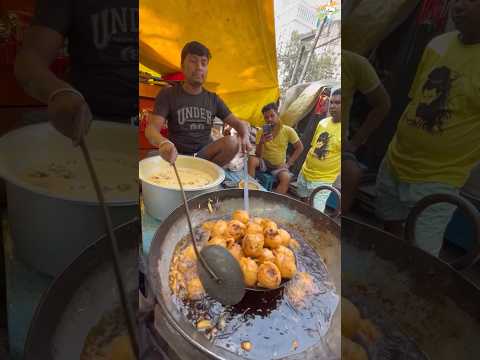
{"x":460,"y":231}
{"x":332,"y":201}
{"x":265,"y":179}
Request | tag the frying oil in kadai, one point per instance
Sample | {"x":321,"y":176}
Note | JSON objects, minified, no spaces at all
{"x":273,"y":324}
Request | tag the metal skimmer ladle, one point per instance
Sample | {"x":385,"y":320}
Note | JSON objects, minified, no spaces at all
{"x":130,"y":318}
{"x":245,"y":183}
{"x":219,"y":272}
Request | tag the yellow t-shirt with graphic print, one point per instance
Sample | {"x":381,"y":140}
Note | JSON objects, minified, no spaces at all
{"x":357,"y":75}
{"x":438,"y":135}
{"x":275,"y":151}
{"x":323,"y":161}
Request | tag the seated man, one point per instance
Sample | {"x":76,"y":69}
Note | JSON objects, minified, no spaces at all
{"x":189,"y":111}
{"x":323,"y":163}
{"x":359,"y":75}
{"x":436,"y":143}
{"x":271,"y":150}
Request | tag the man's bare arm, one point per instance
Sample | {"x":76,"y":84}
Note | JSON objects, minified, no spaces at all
{"x":297,"y":151}
{"x":239,"y":125}
{"x":152,"y":131}
{"x":243,"y":128}
{"x":166,"y":148}
{"x":259,"y":149}
{"x":380,"y":102}
{"x":32,"y":65}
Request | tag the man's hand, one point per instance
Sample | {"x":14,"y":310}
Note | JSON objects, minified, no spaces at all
{"x":70,"y":115}
{"x":285,"y":166}
{"x":168,"y":152}
{"x":266,"y":137}
{"x":245,"y":145}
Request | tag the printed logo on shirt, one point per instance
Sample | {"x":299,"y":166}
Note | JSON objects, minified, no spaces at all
{"x":119,"y":27}
{"x":322,"y":147}
{"x":194,"y":117}
{"x":432,"y":112}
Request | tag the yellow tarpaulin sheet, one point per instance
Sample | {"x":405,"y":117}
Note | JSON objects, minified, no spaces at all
{"x":240,"y":36}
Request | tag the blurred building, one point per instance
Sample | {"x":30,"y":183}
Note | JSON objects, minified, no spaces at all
{"x":295,"y":15}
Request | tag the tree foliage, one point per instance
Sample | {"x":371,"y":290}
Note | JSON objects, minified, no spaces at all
{"x":322,"y":65}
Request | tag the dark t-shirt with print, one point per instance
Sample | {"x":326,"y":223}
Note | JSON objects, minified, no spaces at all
{"x":189,"y":117}
{"x":103,"y":47}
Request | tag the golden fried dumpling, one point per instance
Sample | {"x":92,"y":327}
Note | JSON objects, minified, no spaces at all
{"x":350,"y":318}
{"x":217,"y":240}
{"x":269,"y":275}
{"x":368,"y":332}
{"x":250,"y":270}
{"x":241,"y":215}
{"x":236,"y":229}
{"x":273,"y":241}
{"x":220,"y":228}
{"x":352,"y":350}
{"x":285,"y":260}
{"x":254,"y":228}
{"x":230,"y":240}
{"x":267,"y":255}
{"x":252,"y":244}
{"x":258,"y":220}
{"x":285,"y":236}
{"x":353,"y":324}
{"x":293,"y":244}
{"x":236,"y":250}
{"x":208,"y":225}
{"x":195,"y":289}
{"x":270,"y":227}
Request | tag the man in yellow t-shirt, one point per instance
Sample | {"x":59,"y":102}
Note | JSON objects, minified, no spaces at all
{"x":437,"y":141}
{"x":358,"y":75}
{"x":271,"y":150}
{"x":323,"y":162}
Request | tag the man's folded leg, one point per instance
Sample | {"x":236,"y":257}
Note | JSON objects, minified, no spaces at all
{"x":220,"y":152}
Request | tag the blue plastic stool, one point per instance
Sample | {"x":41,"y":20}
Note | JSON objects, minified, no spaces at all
{"x":460,"y":231}
{"x":332,"y":201}
{"x":265,"y":179}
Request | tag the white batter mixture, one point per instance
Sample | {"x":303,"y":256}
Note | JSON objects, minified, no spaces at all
{"x":69,"y":177}
{"x":191,"y":178}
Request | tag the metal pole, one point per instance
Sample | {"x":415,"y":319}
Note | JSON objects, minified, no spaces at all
{"x":297,"y":64}
{"x":312,"y":50}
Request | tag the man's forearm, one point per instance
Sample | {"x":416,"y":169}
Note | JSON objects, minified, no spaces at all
{"x":374,"y":118}
{"x":259,"y":150}
{"x":153,"y":135}
{"x":239,"y":125}
{"x":242,"y":128}
{"x":295,"y":155}
{"x":35,"y":76}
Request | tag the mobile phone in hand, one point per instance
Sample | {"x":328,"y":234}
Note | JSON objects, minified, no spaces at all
{"x":267,"y":129}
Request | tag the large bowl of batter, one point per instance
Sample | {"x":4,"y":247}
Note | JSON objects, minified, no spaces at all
{"x":160,"y":190}
{"x":53,"y":211}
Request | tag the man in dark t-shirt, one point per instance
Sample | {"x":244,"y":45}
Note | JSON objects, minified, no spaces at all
{"x":189,"y":110}
{"x":103,"y":47}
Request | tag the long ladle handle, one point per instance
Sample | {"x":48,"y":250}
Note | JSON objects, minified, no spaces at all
{"x":115,"y":253}
{"x":245,"y":183}
{"x":185,"y":204}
